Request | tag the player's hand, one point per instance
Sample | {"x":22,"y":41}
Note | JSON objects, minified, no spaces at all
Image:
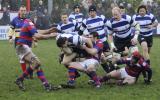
{"x":52,"y":30}
{"x":150,"y":26}
{"x":83,"y":47}
{"x":11,"y":41}
{"x":134,"y":41}
{"x":113,"y":47}
{"x":35,"y":44}
{"x":53,"y":34}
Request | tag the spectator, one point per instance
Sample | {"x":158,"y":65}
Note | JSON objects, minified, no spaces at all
{"x":37,"y":20}
{"x":0,"y":5}
{"x":157,"y":14}
{"x":5,"y":20}
{"x":100,"y":9}
{"x":46,"y":20}
{"x":55,"y":15}
{"x":130,"y":9}
{"x":67,"y":9}
{"x":13,"y":5}
{"x":149,"y":6}
{"x":40,"y":8}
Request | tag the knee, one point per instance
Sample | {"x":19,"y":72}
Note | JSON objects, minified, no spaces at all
{"x":36,"y":62}
{"x":145,"y":49}
{"x":91,"y":69}
{"x":65,"y":63}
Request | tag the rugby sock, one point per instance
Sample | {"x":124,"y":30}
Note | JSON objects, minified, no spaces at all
{"x":148,"y":61}
{"x":93,"y":76}
{"x":23,"y":66}
{"x":104,"y":78}
{"x":26,"y":73}
{"x":77,"y":74}
{"x":31,"y":74}
{"x":71,"y":72}
{"x":41,"y":76}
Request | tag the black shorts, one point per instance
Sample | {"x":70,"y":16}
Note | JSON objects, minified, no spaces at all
{"x":148,"y":39}
{"x":121,"y":43}
{"x":80,"y":52}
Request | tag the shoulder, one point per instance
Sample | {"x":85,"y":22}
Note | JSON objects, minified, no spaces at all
{"x":150,"y":15}
{"x":127,"y":17}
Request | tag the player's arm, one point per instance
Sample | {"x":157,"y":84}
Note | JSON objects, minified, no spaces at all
{"x":42,"y":36}
{"x":154,"y":22}
{"x":87,"y":41}
{"x":11,"y":32}
{"x":48,"y":31}
{"x":122,"y":61}
{"x":82,"y":27}
{"x":91,"y":51}
{"x":136,"y":26}
{"x":110,"y":35}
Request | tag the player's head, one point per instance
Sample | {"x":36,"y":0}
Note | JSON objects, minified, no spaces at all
{"x":93,"y":36}
{"x":61,"y":42}
{"x":40,"y":2}
{"x":122,"y":9}
{"x":142,"y":10}
{"x":92,"y":11}
{"x":76,"y":8}
{"x":22,"y":12}
{"x":135,"y":57}
{"x":64,"y":17}
{"x":116,"y":12}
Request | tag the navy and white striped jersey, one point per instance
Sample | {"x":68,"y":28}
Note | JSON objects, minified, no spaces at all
{"x":96,"y":24}
{"x":76,"y":17}
{"x":144,"y":21}
{"x":121,"y":28}
{"x":75,"y":40}
{"x":67,"y":28}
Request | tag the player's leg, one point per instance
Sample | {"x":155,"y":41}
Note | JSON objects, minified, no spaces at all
{"x":129,"y":80}
{"x":72,"y":69}
{"x":91,"y":72}
{"x":68,"y":58}
{"x":116,"y":74}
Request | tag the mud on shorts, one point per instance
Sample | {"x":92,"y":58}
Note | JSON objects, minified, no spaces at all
{"x":88,"y":62}
{"x":23,"y":50}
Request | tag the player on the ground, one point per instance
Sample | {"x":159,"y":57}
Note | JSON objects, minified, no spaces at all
{"x":129,"y":74}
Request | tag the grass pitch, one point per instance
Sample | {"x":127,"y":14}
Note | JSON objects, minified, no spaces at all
{"x":56,"y":74}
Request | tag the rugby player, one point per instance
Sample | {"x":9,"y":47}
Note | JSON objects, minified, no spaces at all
{"x":27,"y":34}
{"x":130,"y":73}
